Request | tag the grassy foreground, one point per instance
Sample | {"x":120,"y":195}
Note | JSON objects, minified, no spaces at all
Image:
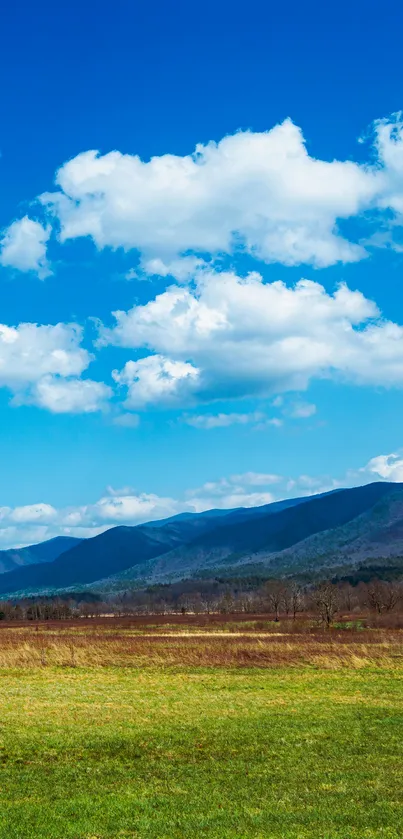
{"x":179,"y":753}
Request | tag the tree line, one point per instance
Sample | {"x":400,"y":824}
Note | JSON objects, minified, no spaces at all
{"x":274,"y":597}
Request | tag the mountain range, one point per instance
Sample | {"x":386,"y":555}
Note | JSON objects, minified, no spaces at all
{"x":311,"y":537}
{"x":43,"y":552}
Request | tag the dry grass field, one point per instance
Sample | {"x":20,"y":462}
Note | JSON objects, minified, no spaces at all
{"x":229,"y":727}
{"x":230,"y":641}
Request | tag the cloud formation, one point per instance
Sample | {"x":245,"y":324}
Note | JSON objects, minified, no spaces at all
{"x":258,"y":191}
{"x":71,"y":396}
{"x":386,"y":466}
{"x":300,"y":410}
{"x":215,"y":334}
{"x":23,"y":246}
{"x":37,"y":522}
{"x":229,"y":337}
{"x":42,"y":364}
{"x":155,"y":379}
{"x":209,"y":421}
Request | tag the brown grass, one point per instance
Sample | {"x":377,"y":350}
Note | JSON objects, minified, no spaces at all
{"x":219,"y":642}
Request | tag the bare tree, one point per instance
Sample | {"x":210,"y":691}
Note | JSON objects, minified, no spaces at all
{"x":382,"y":596}
{"x":348,"y":597}
{"x":275,"y":590}
{"x":297,"y":599}
{"x":287,"y":598}
{"x":227,"y":603}
{"x":326,"y":598}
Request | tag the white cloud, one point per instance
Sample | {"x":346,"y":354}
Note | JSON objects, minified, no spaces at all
{"x":232,"y":500}
{"x":261,"y":191}
{"x":30,"y":351}
{"x":32,"y":513}
{"x":256,"y":479}
{"x":155,"y":379}
{"x":234,"y":491}
{"x":181,"y":269}
{"x":275,"y":422}
{"x":256,"y":191}
{"x":231,"y":337}
{"x":387,"y":466}
{"x":208,"y":421}
{"x":129,"y":508}
{"x":23,"y":246}
{"x":127,"y":420}
{"x":301,"y":410}
{"x":40,"y":365}
{"x":71,"y":396}
{"x":37,"y":522}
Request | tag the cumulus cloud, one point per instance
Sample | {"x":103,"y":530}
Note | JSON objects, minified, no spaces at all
{"x":30,"y":351}
{"x":235,"y":491}
{"x":259,"y":191}
{"x":23,"y":246}
{"x":41,"y":365}
{"x":118,"y":508}
{"x":32,"y":513}
{"x":71,"y":396}
{"x":386,"y":466}
{"x":181,"y":269}
{"x":155,"y":379}
{"x":37,"y":522}
{"x":228,"y":337}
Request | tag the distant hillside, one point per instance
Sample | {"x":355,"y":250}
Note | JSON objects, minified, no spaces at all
{"x":262,"y":538}
{"x":328,"y":534}
{"x":120,"y":548}
{"x":239,"y":513}
{"x":375,"y":534}
{"x":103,"y":555}
{"x":43,"y":552}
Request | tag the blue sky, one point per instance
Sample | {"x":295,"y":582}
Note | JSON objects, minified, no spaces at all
{"x":230,"y":182}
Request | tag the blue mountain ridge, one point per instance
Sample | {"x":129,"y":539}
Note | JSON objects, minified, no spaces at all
{"x":183,"y":545}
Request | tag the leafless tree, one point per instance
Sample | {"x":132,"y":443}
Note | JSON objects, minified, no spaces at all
{"x":383,"y":596}
{"x":227,"y":603}
{"x":348,"y":597}
{"x":326,"y":598}
{"x":275,"y":590}
{"x":297,"y":599}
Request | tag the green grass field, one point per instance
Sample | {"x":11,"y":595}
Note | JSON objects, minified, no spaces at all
{"x":172,"y":753}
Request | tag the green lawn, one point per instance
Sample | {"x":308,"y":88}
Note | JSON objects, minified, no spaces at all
{"x":158,"y":754}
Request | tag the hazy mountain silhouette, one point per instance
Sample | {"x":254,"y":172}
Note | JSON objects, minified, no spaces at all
{"x":281,"y":535}
{"x":43,"y":552}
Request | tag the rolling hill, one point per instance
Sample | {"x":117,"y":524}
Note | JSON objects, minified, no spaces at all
{"x":106,"y":555}
{"x":110,"y":552}
{"x":263,"y":538}
{"x":34,"y":554}
{"x":314,"y":534}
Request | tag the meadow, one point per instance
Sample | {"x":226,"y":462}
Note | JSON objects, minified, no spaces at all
{"x":164,"y":728}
